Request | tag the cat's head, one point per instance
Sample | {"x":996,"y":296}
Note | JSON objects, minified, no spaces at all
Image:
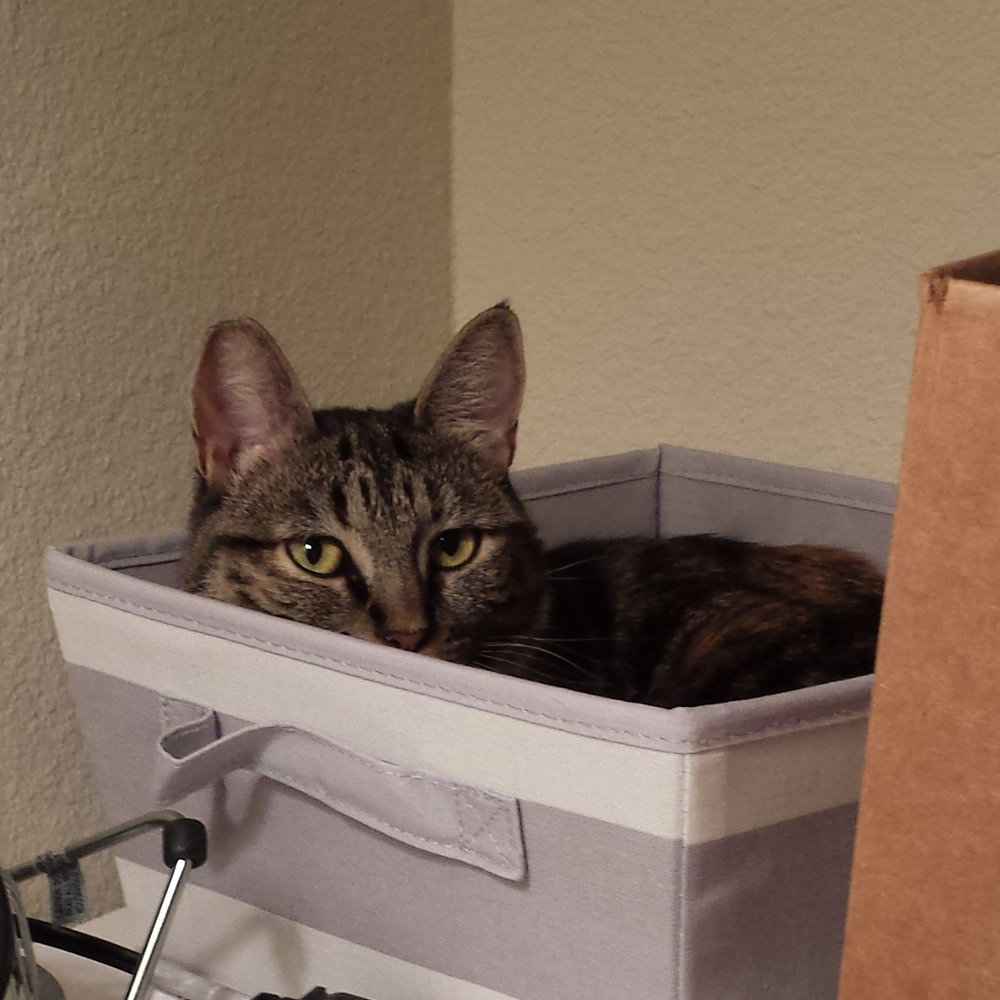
{"x":398,"y":526}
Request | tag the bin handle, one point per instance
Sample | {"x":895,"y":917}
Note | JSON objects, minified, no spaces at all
{"x":434,"y":814}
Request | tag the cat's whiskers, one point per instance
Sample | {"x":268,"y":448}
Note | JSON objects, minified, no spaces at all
{"x":614,"y":637}
{"x":577,"y":658}
{"x":573,"y":657}
{"x":532,"y":673}
{"x":552,"y":646}
{"x":505,"y":665}
{"x":572,"y":565}
{"x":536,"y":647}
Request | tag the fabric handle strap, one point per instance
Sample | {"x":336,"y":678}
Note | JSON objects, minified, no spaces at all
{"x":428,"y":812}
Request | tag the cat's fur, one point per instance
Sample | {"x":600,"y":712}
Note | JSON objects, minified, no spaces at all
{"x":680,"y":621}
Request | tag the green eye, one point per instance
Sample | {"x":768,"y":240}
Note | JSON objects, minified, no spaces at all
{"x":322,"y":556}
{"x":454,"y":548}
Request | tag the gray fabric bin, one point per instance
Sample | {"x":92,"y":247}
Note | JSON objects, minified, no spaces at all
{"x":439,"y":831}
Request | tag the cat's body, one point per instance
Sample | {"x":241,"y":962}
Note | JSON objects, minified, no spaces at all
{"x":699,"y":619}
{"x":400,"y":526}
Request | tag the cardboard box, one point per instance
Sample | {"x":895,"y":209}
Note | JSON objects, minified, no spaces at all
{"x":924,"y":917}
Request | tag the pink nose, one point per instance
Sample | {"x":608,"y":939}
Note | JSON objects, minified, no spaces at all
{"x":406,"y":640}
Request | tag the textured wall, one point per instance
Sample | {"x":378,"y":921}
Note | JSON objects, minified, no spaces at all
{"x":711,"y":215}
{"x":166,"y":165}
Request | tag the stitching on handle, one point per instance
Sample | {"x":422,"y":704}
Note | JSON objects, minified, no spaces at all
{"x":486,"y":825}
{"x":503,"y":849}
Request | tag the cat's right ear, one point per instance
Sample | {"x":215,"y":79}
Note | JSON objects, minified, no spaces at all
{"x":246,"y":402}
{"x":475,"y":391}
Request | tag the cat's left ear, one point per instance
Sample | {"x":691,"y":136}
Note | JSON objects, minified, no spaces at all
{"x":476,"y":388}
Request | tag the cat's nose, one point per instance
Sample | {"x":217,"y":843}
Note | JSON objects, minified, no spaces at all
{"x":407,"y":640}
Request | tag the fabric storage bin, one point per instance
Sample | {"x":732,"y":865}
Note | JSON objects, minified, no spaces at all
{"x":458,"y":833}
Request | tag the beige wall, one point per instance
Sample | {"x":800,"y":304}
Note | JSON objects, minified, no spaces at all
{"x":711,"y":215}
{"x":166,"y":165}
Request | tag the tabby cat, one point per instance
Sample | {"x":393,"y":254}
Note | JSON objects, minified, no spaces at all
{"x":400,"y":526}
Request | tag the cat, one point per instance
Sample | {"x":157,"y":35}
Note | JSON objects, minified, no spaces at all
{"x":400,"y":526}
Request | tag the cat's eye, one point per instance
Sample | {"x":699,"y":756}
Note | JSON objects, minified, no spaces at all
{"x":455,"y":547}
{"x":322,"y":556}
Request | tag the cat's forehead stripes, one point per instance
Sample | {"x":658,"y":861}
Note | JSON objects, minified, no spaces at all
{"x":401,"y":445}
{"x":385,"y":466}
{"x":339,"y":500}
{"x":365,"y":489}
{"x":376,"y":470}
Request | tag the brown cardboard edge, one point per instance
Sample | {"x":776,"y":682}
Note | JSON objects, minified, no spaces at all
{"x":982,"y":269}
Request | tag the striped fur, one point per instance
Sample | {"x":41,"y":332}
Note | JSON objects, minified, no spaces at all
{"x":669,"y":622}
